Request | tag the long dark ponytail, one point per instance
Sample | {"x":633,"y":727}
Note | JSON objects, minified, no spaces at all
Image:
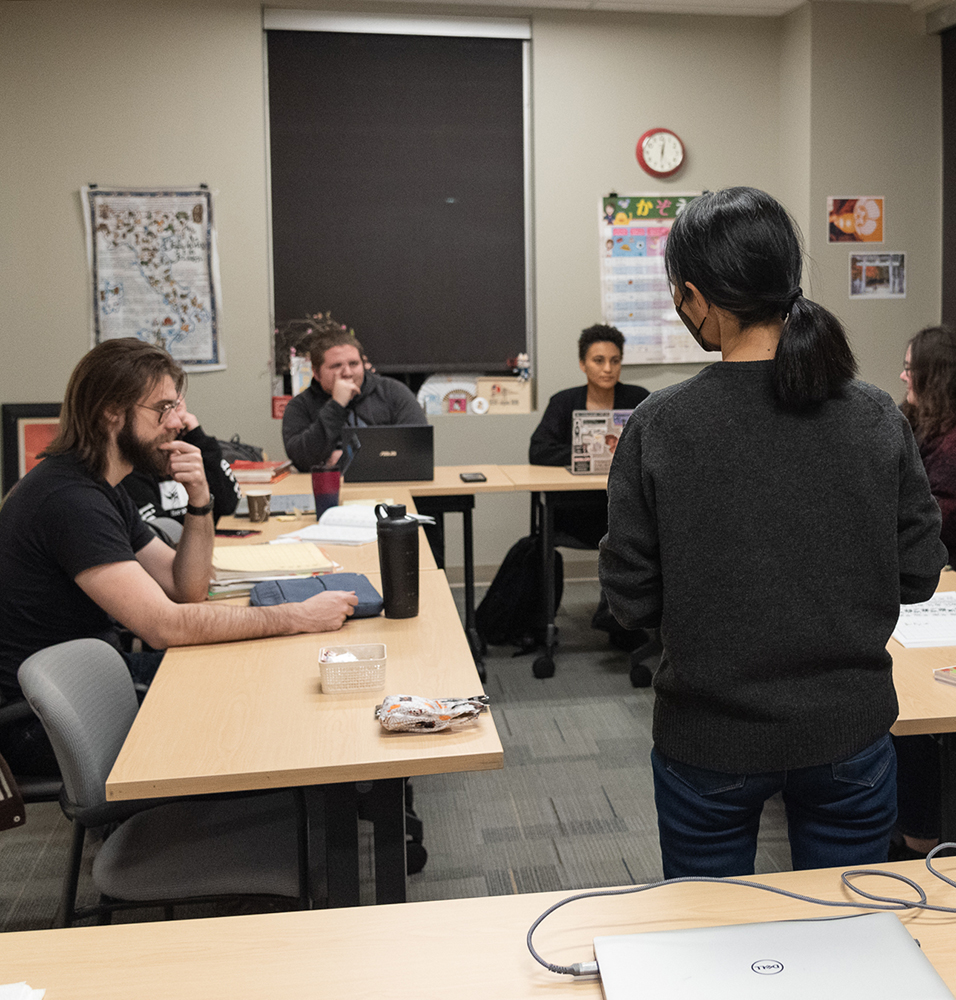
{"x":743,"y":252}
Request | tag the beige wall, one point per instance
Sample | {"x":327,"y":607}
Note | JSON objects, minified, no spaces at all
{"x":833,"y":99}
{"x":876,"y":129}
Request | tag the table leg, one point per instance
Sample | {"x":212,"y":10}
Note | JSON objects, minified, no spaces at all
{"x":384,"y":804}
{"x":543,"y":666}
{"x":947,"y":760}
{"x":471,"y":629}
{"x":463,"y":504}
{"x":341,"y":844}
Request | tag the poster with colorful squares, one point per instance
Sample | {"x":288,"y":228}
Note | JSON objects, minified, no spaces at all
{"x":635,"y":296}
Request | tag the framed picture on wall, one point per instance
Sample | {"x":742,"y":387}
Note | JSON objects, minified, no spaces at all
{"x":27,"y":429}
{"x":877,"y":275}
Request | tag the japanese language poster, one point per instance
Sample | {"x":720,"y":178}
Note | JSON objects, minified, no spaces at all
{"x":635,"y":296}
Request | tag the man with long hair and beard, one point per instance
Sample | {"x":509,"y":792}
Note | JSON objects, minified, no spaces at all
{"x":77,"y":560}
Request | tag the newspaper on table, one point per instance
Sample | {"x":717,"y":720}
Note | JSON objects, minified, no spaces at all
{"x":932,"y":623}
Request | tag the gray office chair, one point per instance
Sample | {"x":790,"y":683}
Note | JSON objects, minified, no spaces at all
{"x":162,"y":851}
{"x":166,"y":528}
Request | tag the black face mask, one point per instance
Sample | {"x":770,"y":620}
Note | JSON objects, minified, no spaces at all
{"x":694,"y":331}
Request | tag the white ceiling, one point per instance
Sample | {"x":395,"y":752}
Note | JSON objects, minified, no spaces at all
{"x":754,"y":8}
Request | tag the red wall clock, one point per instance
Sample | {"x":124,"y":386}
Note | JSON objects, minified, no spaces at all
{"x":660,"y":152}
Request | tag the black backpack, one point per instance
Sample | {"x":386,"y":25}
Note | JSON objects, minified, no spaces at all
{"x":234,"y":449}
{"x":513,"y":612}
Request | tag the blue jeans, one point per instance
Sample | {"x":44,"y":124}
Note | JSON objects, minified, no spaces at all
{"x":839,"y":814}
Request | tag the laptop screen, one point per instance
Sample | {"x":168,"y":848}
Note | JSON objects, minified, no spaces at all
{"x":398,"y":453}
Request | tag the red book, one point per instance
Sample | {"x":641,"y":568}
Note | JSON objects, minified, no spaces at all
{"x":260,"y":472}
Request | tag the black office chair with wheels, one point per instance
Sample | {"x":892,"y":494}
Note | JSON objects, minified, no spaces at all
{"x":16,"y":721}
{"x":571,"y":520}
{"x":158,"y":852}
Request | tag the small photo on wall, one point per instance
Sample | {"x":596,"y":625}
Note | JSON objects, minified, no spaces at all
{"x":855,"y":220}
{"x":877,"y":275}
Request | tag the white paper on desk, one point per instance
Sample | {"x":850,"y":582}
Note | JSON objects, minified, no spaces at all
{"x":932,"y":623}
{"x":20,"y":991}
{"x":349,"y":516}
{"x":360,"y":515}
{"x":330,"y":534}
{"x":351,"y":525}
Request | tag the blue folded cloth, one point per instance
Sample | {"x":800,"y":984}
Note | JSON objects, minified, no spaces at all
{"x":295,"y":590}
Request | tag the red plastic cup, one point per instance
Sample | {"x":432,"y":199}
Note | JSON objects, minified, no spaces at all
{"x":325,"y":488}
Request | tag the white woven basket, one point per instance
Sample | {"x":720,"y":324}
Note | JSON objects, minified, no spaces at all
{"x":365,"y":673}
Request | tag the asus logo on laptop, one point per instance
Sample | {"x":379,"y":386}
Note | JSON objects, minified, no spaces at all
{"x":387,"y":454}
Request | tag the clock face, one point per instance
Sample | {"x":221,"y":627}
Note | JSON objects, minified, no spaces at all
{"x":660,"y":152}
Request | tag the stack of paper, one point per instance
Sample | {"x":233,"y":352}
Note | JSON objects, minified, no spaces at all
{"x":352,"y":524}
{"x":932,"y":623}
{"x":267,"y":562}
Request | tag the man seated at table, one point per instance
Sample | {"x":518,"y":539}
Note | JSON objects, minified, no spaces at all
{"x":160,"y":496}
{"x":76,"y":559}
{"x":342,"y":394}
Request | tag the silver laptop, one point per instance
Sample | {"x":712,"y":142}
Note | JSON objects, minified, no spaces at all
{"x":866,"y":957}
{"x":388,"y":454}
{"x":594,"y":436}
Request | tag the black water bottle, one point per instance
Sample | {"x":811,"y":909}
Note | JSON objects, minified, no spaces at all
{"x":398,"y":558}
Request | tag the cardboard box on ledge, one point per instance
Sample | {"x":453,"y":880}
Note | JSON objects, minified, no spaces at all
{"x":509,"y":394}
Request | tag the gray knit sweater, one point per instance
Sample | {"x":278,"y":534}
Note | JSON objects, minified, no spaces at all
{"x":773,"y":550}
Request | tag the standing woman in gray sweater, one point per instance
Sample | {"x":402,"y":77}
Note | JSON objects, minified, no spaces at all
{"x":769,"y":515}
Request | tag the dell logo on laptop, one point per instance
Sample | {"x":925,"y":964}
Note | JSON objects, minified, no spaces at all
{"x":387,"y":454}
{"x":767,"y":967}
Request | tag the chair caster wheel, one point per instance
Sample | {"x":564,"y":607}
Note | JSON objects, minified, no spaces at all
{"x":415,"y":857}
{"x":543,"y":667}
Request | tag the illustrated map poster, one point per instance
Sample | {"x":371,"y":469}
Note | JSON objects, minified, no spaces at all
{"x":635,"y":295}
{"x":155,"y":271}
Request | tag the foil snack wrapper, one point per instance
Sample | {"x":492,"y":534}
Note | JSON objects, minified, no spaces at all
{"x":411,"y":713}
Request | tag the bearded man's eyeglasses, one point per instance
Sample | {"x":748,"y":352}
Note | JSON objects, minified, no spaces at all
{"x":163,"y":409}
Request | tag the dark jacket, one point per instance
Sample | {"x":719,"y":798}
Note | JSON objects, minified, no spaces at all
{"x":313,"y":421}
{"x":551,"y":441}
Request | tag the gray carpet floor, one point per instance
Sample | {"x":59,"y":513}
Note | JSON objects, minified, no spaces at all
{"x":573,"y":807}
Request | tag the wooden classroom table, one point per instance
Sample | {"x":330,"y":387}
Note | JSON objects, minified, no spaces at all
{"x":929,"y":706}
{"x":549,"y":479}
{"x":468,"y":949}
{"x":240,"y":716}
{"x":353,"y":558}
{"x":445,"y":493}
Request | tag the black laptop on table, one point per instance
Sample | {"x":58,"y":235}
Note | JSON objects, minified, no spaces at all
{"x":397,"y":453}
